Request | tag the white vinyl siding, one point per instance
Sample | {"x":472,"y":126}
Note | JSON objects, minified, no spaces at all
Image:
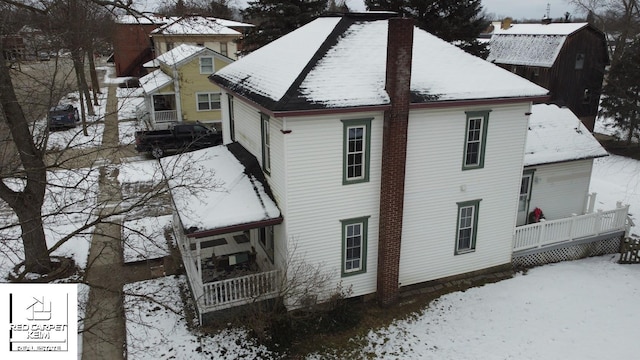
{"x":560,"y":190}
{"x":435,"y":183}
{"x":317,"y":200}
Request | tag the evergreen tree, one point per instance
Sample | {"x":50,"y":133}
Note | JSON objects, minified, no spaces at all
{"x":621,"y":93}
{"x":456,"y":21}
{"x":275,"y":18}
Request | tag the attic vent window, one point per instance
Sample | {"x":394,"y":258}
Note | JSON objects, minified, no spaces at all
{"x":579,"y":61}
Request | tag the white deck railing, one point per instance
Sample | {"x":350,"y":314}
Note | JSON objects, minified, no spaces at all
{"x":551,"y":232}
{"x":242,"y":290}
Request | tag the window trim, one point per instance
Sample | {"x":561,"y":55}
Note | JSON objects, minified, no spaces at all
{"x":209,"y":102}
{"x":475,"y":204}
{"x":265,"y":142}
{"x":472,"y":115}
{"x":347,"y":124}
{"x":364,"y":221}
{"x":213,"y":64}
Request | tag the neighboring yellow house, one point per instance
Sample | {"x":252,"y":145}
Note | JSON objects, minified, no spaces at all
{"x":219,"y":35}
{"x":179,"y":89}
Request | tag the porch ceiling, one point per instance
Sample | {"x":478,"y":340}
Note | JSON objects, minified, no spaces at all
{"x":236,"y":197}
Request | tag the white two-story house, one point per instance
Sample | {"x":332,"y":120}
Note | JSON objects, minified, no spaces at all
{"x":394,"y":157}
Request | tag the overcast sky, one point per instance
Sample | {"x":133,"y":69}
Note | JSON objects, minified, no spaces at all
{"x":517,"y":9}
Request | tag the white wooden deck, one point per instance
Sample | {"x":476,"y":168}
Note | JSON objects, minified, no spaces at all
{"x":549,"y":233}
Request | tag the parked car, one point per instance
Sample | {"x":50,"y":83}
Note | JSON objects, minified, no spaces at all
{"x":63,"y":117}
{"x":180,"y":137}
{"x":44,"y":56}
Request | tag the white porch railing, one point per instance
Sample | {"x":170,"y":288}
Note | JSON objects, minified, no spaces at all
{"x":165,"y":116}
{"x":242,"y":290}
{"x":551,"y":232}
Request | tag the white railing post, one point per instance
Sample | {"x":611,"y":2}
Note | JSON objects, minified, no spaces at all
{"x":541,"y":234}
{"x":592,"y":202}
{"x":598,"y":222}
{"x":572,"y":226}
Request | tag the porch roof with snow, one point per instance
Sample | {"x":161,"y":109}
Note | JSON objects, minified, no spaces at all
{"x":154,"y":81}
{"x":530,"y":44}
{"x":556,"y":135}
{"x":239,"y":198}
{"x":340,"y":62}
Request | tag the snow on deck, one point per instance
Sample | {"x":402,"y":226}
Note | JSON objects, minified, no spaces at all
{"x":556,"y":134}
{"x":233,"y":197}
{"x":154,"y":81}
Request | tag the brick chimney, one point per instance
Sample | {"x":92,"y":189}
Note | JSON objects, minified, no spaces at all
{"x":394,"y":153}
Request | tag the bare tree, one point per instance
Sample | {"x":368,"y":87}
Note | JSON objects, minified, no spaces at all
{"x":618,"y":19}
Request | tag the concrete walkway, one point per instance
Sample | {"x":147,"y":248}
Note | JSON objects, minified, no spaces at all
{"x":105,"y":327}
{"x":104,"y":336}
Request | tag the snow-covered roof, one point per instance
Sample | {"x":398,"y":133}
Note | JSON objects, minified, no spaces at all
{"x":541,"y":29}
{"x":151,"y":64}
{"x":154,"y":81}
{"x":237,"y":198}
{"x":195,"y":25}
{"x":530,"y":44}
{"x":179,"y":54}
{"x":337,"y":62}
{"x":144,"y":19}
{"x":557,"y":135}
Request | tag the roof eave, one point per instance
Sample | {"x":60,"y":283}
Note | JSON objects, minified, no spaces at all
{"x":475,"y":102}
{"x":567,"y":160}
{"x":236,"y":228}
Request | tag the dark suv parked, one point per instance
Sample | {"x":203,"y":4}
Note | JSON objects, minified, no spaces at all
{"x":63,"y":116}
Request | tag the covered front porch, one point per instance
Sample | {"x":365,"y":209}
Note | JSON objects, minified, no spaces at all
{"x":224,"y":230}
{"x":161,"y":100}
{"x":224,"y":271}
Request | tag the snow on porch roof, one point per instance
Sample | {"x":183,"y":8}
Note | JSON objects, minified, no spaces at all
{"x":154,"y":81}
{"x":557,"y":135}
{"x":236,"y":197}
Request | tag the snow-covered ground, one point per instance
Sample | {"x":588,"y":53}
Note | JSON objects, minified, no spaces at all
{"x":143,"y":239}
{"x":157,"y":327}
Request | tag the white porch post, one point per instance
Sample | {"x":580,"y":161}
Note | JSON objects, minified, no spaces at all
{"x":198,"y":260}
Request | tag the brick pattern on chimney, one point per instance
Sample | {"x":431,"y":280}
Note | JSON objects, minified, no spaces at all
{"x":394,"y":153}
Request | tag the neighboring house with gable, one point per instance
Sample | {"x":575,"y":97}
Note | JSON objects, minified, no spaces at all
{"x":179,"y":90}
{"x":220,"y":35}
{"x":392,"y":163}
{"x":569,"y":59}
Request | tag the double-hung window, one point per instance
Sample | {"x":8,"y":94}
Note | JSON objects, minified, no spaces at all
{"x":466,"y":231}
{"x":206,"y":65}
{"x":266,"y":143}
{"x":354,"y":245}
{"x":475,"y":139}
{"x":208,"y":101}
{"x":356,"y":149}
